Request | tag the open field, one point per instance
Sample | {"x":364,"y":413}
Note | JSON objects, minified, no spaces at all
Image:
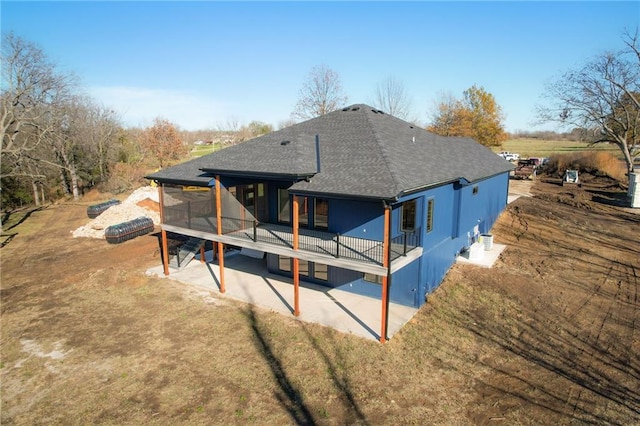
{"x":549,"y":335}
{"x":200,"y":150}
{"x":544,"y":148}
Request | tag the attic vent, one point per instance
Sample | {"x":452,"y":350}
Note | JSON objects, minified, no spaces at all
{"x":380,"y":112}
{"x":283,"y":143}
{"x":345,"y":109}
{"x":355,"y":108}
{"x":374,"y":111}
{"x":411,"y":127}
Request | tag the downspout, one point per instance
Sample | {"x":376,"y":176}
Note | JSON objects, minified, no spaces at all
{"x":165,"y":245}
{"x":317,"y":154}
{"x":296,"y":262}
{"x":219,"y":226}
{"x":384,"y":318}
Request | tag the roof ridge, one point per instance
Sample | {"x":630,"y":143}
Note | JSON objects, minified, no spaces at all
{"x":374,"y":130}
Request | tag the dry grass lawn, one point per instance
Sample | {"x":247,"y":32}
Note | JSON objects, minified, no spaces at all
{"x":550,"y":335}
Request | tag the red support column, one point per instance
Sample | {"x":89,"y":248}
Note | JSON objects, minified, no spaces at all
{"x":165,"y":252}
{"x":219,"y":226}
{"x":385,"y":279}
{"x":296,"y":263}
{"x":202,"y":259}
{"x":165,"y":245}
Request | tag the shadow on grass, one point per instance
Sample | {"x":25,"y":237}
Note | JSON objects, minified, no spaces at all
{"x":289,"y":397}
{"x":26,"y":216}
{"x":9,"y":237}
{"x":354,"y":414}
{"x":5,"y":218}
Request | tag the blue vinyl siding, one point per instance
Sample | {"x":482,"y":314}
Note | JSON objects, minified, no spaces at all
{"x":359,"y":219}
{"x":457,"y":210}
{"x":484,"y":207}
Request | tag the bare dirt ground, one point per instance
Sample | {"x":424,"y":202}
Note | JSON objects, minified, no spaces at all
{"x":549,"y":335}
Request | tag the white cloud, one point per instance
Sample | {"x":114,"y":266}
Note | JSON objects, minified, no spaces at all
{"x":139,"y":106}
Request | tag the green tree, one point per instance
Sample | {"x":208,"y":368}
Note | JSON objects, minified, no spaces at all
{"x":477,"y":115}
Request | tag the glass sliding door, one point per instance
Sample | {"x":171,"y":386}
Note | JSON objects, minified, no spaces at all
{"x":284,"y":206}
{"x":321,"y":213}
{"x":303,"y":211}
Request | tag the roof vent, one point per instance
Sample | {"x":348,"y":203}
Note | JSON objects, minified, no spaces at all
{"x":345,"y":109}
{"x":355,"y":108}
{"x":283,"y":143}
{"x":380,"y":112}
{"x":374,"y":111}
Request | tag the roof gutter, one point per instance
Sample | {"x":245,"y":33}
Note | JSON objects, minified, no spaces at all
{"x":462,"y":180}
{"x":267,"y":175}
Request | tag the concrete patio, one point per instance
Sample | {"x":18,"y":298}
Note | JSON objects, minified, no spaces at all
{"x":247,"y":280}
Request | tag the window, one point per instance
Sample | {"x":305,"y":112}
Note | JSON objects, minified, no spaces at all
{"x":475,"y":190}
{"x":320,"y":272}
{"x":430,"y":203}
{"x":284,"y":263}
{"x":284,"y":206}
{"x":303,"y":211}
{"x":321,"y":210}
{"x":303,"y":267}
{"x":408,"y":216}
{"x":372,"y":278}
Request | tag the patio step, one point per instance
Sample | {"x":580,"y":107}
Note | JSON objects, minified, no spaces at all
{"x":185,"y":253}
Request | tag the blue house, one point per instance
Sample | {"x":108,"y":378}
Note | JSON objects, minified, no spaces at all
{"x":355,"y":199}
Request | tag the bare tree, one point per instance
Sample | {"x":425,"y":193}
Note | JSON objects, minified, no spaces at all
{"x":602,"y":97}
{"x":232,"y":124}
{"x":100,"y":130}
{"x":392,"y":98}
{"x":85,"y":144}
{"x":285,"y":123}
{"x":320,"y":94}
{"x":32,"y":92}
{"x":31,"y":89}
{"x":51,"y":135}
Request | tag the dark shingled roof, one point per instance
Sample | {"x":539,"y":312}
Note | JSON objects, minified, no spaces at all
{"x":363,"y":153}
{"x":187,"y":173}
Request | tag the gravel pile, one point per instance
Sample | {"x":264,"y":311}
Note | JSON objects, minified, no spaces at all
{"x":123,"y":212}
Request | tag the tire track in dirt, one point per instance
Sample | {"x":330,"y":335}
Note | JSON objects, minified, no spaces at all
{"x":628,"y":313}
{"x":608,"y":355}
{"x":613,"y":357}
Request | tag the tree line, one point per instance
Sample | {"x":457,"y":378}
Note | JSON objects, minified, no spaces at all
{"x":57,"y":141}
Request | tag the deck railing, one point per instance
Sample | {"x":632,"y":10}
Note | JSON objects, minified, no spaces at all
{"x":322,"y":242}
{"x":198,"y":215}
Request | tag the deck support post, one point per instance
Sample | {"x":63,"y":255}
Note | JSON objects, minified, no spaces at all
{"x":296,"y":262}
{"x":165,"y":245}
{"x":165,"y":252}
{"x":202,"y":255}
{"x":385,"y":279}
{"x":219,"y":226}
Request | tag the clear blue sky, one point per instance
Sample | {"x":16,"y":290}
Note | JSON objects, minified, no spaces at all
{"x":204,"y":64}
